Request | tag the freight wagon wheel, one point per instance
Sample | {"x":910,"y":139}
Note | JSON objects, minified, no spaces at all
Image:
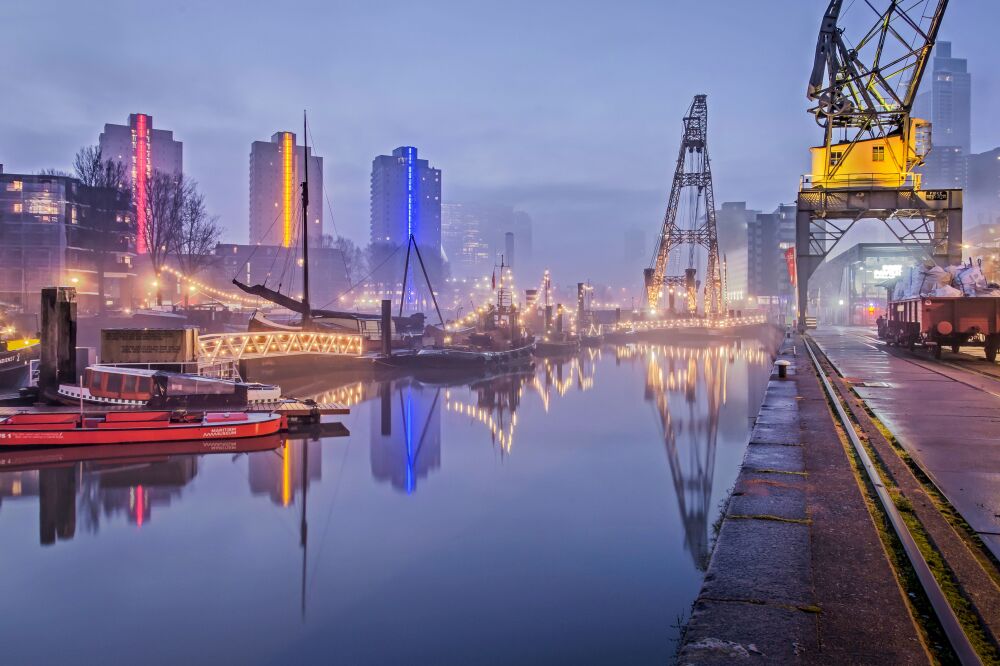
{"x":955,"y":348}
{"x":992,"y":343}
{"x":937,"y":352}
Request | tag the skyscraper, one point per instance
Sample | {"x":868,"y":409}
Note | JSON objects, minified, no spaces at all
{"x":276,"y":175}
{"x":405,"y":201}
{"x":463,"y":239}
{"x":142,"y":150}
{"x":474,"y":235}
{"x":948,"y":105}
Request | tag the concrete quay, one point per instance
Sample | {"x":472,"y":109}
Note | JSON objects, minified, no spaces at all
{"x":799,"y":573}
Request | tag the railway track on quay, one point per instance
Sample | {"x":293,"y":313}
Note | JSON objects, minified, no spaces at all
{"x":951,"y":579}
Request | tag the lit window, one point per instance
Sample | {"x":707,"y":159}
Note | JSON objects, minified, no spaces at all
{"x":18,"y":207}
{"x":878,"y":153}
{"x":15,"y":186}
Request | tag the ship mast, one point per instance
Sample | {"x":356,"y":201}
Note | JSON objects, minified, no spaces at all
{"x":306,"y":307}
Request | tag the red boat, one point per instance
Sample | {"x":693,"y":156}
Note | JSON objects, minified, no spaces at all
{"x":73,"y":429}
{"x":37,"y":457}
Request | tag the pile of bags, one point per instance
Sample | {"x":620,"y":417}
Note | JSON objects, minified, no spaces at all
{"x":960,"y":280}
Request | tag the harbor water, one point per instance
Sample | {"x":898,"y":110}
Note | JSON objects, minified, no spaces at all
{"x":562,"y":514}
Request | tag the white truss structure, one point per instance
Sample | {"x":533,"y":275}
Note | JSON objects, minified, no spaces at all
{"x":220,"y":348}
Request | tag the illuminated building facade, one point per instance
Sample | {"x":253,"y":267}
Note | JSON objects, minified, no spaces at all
{"x":405,"y":201}
{"x":56,"y":231}
{"x":143,"y":151}
{"x":276,"y":173}
{"x":851,"y":286}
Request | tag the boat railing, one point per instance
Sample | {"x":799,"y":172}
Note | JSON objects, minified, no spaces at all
{"x":220,"y":369}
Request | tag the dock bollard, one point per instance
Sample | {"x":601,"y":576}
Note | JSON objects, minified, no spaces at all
{"x":783,"y":368}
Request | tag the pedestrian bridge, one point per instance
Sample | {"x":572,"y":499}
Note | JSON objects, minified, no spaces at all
{"x":222,"y":348}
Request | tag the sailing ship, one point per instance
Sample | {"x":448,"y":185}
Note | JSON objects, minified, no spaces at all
{"x":304,"y":316}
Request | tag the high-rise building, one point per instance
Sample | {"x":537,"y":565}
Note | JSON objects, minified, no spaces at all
{"x":768,"y":236}
{"x":948,"y":105}
{"x":406,"y":201}
{"x":143,"y":151}
{"x":56,"y":231}
{"x":475,"y":235}
{"x":276,"y":175}
{"x":463,"y":238}
{"x":733,"y":221}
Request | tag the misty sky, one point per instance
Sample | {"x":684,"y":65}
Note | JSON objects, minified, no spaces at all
{"x":568,"y":110}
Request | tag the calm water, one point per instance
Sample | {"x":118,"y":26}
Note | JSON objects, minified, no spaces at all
{"x":559,"y":515}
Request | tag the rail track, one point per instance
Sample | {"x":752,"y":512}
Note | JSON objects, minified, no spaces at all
{"x":970,"y":578}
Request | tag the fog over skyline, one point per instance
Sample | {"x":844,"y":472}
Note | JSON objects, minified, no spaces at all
{"x":570,"y":111}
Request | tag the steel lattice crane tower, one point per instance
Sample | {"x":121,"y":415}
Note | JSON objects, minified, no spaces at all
{"x":693,"y":171}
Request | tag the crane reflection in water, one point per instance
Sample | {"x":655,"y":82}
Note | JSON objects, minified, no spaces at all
{"x":688,"y":389}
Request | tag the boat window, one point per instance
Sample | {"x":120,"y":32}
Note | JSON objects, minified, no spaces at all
{"x":114,"y":383}
{"x":177,"y":386}
{"x":145,"y":385}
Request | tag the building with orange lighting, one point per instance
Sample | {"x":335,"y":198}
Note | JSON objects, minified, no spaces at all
{"x":143,"y":151}
{"x":276,"y":174}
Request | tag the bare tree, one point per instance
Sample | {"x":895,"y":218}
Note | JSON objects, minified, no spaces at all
{"x":163,"y":211}
{"x":196,"y":237}
{"x":109,"y":195}
{"x":355,"y":261}
{"x":94,"y":171}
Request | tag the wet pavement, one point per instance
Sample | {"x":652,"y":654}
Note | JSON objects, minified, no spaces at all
{"x":948,"y":419}
{"x":799,"y":574}
{"x":559,"y":515}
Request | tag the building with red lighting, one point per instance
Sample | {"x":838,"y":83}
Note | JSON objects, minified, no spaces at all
{"x":276,"y":174}
{"x":144,"y":151}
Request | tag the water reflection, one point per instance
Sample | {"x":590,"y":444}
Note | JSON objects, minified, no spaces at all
{"x":617,"y":455}
{"x":405,"y":435}
{"x":687,"y":387}
{"x":285,"y":473}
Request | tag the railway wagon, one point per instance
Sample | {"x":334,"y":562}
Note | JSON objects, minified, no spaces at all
{"x":944,"y":321}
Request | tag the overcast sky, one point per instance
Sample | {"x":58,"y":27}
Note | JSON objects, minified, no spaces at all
{"x":568,"y":110}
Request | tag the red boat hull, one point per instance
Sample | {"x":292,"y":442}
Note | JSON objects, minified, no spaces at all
{"x":14,"y":459}
{"x":131,"y":428}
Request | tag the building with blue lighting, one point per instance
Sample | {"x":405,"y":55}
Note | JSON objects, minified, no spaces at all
{"x":405,"y":201}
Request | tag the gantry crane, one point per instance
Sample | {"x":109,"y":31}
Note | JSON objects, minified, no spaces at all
{"x":693,"y":171}
{"x":870,"y":59}
{"x":867,"y":91}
